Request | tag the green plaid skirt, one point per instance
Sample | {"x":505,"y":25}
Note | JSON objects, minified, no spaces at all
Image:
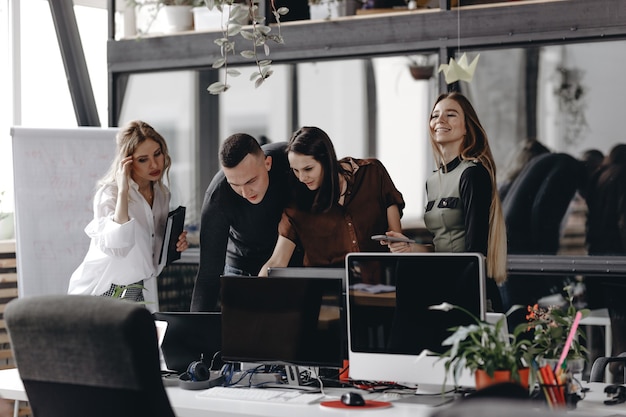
{"x":132,"y":292}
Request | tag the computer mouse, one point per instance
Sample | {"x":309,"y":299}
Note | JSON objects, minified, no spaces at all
{"x":353,"y":399}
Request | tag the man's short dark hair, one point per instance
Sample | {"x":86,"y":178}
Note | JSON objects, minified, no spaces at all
{"x":236,"y":147}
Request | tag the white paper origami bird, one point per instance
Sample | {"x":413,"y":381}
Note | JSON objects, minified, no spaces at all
{"x":459,"y":71}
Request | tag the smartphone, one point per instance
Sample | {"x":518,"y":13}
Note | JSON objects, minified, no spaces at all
{"x":392,"y":239}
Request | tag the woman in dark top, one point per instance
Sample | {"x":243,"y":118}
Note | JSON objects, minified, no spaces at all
{"x":463,"y":210}
{"x":337,"y":206}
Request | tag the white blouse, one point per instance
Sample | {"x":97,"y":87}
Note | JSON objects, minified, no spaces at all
{"x":122,"y":254}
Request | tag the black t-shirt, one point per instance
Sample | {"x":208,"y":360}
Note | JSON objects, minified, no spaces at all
{"x":236,"y":232}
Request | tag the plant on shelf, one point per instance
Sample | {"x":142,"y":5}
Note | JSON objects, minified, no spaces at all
{"x":235,"y":12}
{"x":258,"y":36}
{"x":482,"y":348}
{"x":550,"y":327}
{"x":192,"y":3}
{"x":153,"y":7}
{"x":422,"y":67}
{"x":324,"y":9}
{"x":572,"y":99}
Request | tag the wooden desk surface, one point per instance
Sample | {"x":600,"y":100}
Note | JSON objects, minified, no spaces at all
{"x":363,"y":298}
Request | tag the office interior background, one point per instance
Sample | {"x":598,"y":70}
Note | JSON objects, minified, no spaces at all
{"x":578,"y":100}
{"x":370,"y":106}
{"x":331,"y":94}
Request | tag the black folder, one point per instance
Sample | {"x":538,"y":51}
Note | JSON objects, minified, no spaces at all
{"x":173,"y":229}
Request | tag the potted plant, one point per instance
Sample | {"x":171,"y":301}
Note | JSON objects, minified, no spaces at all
{"x":422,"y":67}
{"x":177,"y":13}
{"x":236,"y":14}
{"x":481,"y":348}
{"x":326,"y":9}
{"x":214,"y":19}
{"x":550,"y":327}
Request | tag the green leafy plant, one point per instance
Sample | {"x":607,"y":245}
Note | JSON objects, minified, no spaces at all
{"x":550,"y":327}
{"x":481,"y":345}
{"x":257,"y":35}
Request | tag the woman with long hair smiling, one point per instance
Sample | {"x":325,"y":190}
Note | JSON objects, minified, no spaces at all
{"x":463,"y":211}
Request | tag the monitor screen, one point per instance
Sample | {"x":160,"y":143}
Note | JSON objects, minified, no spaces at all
{"x":390,"y":325}
{"x":283,"y":321}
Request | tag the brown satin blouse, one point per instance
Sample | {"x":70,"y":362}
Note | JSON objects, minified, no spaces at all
{"x":327,"y":237}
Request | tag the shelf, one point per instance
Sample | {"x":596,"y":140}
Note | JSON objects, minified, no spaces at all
{"x":510,"y":24}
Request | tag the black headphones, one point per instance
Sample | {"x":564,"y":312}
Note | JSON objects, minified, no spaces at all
{"x":197,"y":371}
{"x":197,"y":376}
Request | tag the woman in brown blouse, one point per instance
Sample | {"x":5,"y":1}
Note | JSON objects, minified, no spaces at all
{"x":337,"y":205}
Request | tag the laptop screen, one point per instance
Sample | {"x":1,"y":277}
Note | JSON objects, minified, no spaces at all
{"x":190,"y":336}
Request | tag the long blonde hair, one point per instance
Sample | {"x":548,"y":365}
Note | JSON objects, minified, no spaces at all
{"x":127,"y":140}
{"x":476,"y":147}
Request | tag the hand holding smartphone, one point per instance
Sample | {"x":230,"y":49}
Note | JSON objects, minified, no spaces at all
{"x":392,"y":239}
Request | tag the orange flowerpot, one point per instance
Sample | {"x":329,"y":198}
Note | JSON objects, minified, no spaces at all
{"x":483,"y":380}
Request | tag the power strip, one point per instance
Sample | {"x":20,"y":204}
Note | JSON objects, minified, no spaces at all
{"x":256,"y":378}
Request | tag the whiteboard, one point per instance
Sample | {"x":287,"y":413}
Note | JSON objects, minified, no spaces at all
{"x":55,"y":175}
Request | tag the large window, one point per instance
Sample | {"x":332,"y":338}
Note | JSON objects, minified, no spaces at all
{"x":32,"y":76}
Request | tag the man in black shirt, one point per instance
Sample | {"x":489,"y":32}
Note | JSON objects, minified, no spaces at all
{"x":240,"y":214}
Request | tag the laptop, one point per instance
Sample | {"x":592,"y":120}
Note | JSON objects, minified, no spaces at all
{"x":190,"y":336}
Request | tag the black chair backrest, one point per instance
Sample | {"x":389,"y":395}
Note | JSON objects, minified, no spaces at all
{"x":87,"y":356}
{"x":599,"y":366}
{"x":537,"y":201}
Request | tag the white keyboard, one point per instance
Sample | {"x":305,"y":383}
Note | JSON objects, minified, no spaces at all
{"x":273,"y":396}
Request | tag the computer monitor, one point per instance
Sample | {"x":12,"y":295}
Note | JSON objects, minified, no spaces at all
{"x":392,"y":333}
{"x":283,"y":321}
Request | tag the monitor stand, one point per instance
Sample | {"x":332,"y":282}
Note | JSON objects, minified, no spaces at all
{"x":293,"y":375}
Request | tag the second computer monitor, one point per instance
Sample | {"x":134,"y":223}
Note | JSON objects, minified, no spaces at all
{"x":390,"y":322}
{"x":283,"y":321}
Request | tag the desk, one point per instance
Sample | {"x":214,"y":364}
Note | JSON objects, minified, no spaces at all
{"x":367,"y":299}
{"x":186,"y":404}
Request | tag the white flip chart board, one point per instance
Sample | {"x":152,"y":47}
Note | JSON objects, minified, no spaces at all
{"x":55,"y":173}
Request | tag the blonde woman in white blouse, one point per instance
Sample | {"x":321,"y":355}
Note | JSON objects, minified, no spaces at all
{"x":130,"y":212}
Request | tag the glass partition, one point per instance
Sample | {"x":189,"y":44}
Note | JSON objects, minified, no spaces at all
{"x":560,"y":95}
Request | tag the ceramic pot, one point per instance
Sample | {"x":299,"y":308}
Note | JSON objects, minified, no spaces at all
{"x":327,"y":9}
{"x":483,"y":380}
{"x":205,"y":19}
{"x":179,"y":18}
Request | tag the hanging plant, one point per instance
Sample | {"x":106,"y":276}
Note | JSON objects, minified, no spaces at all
{"x":258,"y":36}
{"x":572,"y":97}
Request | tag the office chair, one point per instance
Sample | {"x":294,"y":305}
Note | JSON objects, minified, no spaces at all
{"x":599,"y":366}
{"x":533,"y":210}
{"x":87,"y":356}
